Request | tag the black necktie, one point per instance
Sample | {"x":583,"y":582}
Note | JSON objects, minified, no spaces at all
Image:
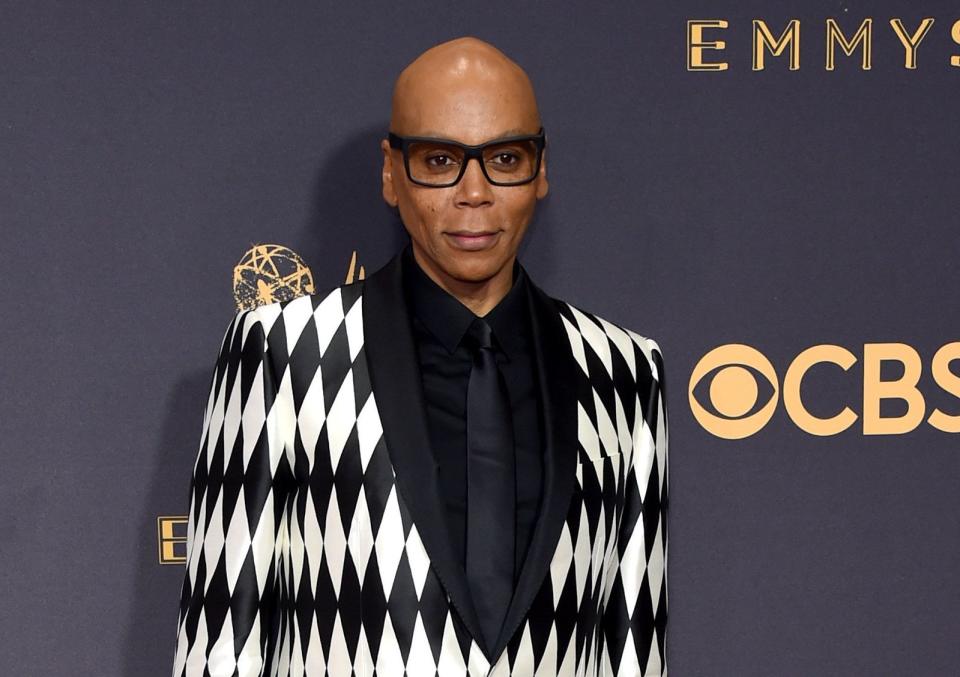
{"x":491,"y":485}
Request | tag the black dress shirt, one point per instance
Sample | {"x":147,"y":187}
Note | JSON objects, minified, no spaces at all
{"x":439,"y":321}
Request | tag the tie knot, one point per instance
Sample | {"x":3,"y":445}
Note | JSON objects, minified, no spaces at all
{"x":479,"y":334}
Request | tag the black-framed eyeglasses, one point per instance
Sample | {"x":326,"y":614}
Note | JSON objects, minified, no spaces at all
{"x":440,"y":163}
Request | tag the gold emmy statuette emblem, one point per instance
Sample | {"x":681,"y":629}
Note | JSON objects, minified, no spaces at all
{"x":268,"y":273}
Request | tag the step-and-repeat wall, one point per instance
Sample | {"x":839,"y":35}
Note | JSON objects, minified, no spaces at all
{"x":767,"y":189}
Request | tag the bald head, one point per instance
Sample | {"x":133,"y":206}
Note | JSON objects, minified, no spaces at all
{"x":463,"y":89}
{"x":465,"y":235}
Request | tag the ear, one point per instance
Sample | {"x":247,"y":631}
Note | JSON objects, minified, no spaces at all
{"x":542,"y":185}
{"x":386,"y":175}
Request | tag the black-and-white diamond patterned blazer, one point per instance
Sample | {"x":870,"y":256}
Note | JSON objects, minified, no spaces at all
{"x":316,"y":537}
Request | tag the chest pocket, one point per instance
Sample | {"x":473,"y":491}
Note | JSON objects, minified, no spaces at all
{"x":601,"y":485}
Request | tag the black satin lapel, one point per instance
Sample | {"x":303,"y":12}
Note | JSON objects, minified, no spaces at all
{"x":398,"y":390}
{"x":555,"y":366}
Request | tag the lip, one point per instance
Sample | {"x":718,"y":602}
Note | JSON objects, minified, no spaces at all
{"x":473,"y":240}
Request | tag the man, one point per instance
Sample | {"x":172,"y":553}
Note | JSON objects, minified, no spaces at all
{"x":439,"y":470}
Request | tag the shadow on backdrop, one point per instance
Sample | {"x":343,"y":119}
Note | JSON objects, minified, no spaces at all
{"x":348,"y":214}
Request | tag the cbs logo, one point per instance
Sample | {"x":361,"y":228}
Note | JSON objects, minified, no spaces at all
{"x":734,"y":390}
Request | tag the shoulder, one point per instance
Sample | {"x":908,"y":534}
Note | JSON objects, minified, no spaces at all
{"x":282,"y":322}
{"x":331,"y":304}
{"x":602,"y":336}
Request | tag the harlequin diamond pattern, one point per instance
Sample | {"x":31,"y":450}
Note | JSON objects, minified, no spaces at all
{"x":303,"y":558}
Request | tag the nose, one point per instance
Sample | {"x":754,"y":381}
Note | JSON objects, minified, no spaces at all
{"x":473,"y":190}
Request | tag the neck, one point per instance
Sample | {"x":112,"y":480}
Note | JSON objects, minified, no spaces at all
{"x":480,"y":296}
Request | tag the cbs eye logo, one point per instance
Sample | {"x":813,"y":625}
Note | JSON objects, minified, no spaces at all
{"x":744,"y":390}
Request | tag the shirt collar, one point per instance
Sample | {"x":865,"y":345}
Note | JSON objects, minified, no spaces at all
{"x":448,"y":319}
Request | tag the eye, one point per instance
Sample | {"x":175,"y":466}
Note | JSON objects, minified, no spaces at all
{"x":439,"y":160}
{"x":506,"y":158}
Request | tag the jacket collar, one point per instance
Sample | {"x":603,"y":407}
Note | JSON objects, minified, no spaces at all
{"x":395,"y":378}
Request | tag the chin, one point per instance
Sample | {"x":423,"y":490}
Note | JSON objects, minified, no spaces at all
{"x":474,"y":271}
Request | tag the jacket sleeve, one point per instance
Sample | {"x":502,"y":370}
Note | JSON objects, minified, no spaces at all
{"x":635,"y":617}
{"x":230,"y":589}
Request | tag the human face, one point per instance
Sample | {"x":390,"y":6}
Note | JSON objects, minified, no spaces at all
{"x":469,"y":232}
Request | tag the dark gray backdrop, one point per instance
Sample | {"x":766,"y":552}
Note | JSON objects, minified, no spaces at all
{"x":146,"y":145}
